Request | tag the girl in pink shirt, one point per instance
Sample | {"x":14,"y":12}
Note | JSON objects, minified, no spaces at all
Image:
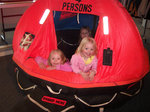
{"x":56,"y":61}
{"x":84,"y":61}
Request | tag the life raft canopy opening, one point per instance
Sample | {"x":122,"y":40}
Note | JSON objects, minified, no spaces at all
{"x":67,"y":27}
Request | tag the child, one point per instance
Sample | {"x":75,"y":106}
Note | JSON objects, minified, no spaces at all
{"x":84,"y":32}
{"x":56,"y":61}
{"x":84,"y":61}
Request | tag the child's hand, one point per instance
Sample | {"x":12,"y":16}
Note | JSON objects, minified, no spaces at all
{"x":42,"y":65}
{"x":91,"y":75}
{"x":50,"y":68}
{"x":85,"y":75}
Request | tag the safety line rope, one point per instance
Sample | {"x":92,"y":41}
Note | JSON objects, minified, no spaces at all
{"x":38,"y":104}
{"x":97,"y":105}
{"x":17,"y":76}
{"x":53,"y":92}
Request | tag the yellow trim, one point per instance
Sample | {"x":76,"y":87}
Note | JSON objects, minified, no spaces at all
{"x":89,"y":60}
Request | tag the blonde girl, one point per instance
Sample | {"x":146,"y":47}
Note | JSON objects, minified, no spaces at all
{"x":84,"y":61}
{"x":56,"y":61}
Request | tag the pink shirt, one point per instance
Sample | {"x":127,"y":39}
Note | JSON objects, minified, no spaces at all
{"x":78,"y":64}
{"x":64,"y":67}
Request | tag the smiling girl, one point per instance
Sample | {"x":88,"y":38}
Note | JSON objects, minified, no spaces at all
{"x":84,"y":61}
{"x":56,"y":61}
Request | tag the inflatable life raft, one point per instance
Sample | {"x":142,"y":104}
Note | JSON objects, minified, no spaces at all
{"x":122,"y":58}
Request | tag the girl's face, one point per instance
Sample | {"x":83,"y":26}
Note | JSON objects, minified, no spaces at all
{"x":55,"y":59}
{"x":84,"y":33}
{"x":88,"y":50}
